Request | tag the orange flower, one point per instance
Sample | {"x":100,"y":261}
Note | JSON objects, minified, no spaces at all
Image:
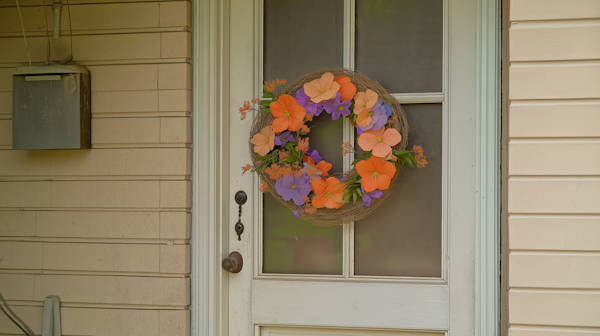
{"x":280,"y":81}
{"x":322,"y":89}
{"x":263,"y":186}
{"x":364,"y":101}
{"x":418,"y":153}
{"x":328,"y":193}
{"x":379,"y":141}
{"x":270,"y":86}
{"x":375,"y":173}
{"x":323,"y":166}
{"x":264,"y":141}
{"x":347,"y":89}
{"x":304,"y":129}
{"x":288,"y":114}
{"x":246,"y":168}
{"x":302,"y":145}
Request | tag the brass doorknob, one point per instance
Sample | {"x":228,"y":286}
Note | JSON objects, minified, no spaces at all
{"x":233,"y":263}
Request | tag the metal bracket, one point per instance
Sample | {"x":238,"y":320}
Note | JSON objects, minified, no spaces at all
{"x":51,"y":322}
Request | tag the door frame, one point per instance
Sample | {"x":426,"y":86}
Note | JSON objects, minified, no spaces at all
{"x":209,"y":294}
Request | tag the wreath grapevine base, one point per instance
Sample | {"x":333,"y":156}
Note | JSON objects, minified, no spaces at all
{"x":290,"y":169}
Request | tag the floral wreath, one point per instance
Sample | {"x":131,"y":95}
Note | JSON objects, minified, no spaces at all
{"x":298,"y":176}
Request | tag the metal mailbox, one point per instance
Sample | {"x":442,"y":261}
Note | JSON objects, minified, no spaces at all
{"x":51,"y":107}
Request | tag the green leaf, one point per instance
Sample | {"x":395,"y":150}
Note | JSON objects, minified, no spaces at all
{"x":406,"y":160}
{"x":265,"y":102}
{"x":359,"y":192}
{"x":354,"y":196}
{"x":266,"y":110}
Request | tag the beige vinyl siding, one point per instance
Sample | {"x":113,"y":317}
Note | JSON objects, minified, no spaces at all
{"x":554,"y":168}
{"x":106,"y":229}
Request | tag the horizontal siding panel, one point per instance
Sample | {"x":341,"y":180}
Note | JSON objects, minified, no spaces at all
{"x":175,"y":100}
{"x":176,"y":76}
{"x":111,"y":16}
{"x":6,"y":78}
{"x":25,"y":194}
{"x":565,"y":119}
{"x":562,"y":308}
{"x":175,"y":194}
{"x":5,"y":132}
{"x":521,"y":10}
{"x":97,"y":162}
{"x":33,"y":316}
{"x":175,"y":258}
{"x":126,"y":130}
{"x":106,"y":194}
{"x":556,"y":41}
{"x":95,"y":321}
{"x":6,"y":106}
{"x":98,"y":224}
{"x":14,"y":51}
{"x":17,"y":287}
{"x":17,"y":223}
{"x":100,"y":16}
{"x":577,"y":195}
{"x":555,"y":81}
{"x":554,"y":270}
{"x":175,"y":14}
{"x":551,"y":331}
{"x":117,"y":47}
{"x":20,"y":255}
{"x":102,"y":257}
{"x":114,"y":289}
{"x":554,"y":233}
{"x":544,"y":157}
{"x":137,"y":77}
{"x":175,"y":225}
{"x":124,"y":101}
{"x":176,"y":45}
{"x":176,"y":130}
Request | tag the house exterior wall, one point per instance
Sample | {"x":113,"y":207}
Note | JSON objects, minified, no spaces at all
{"x":553,"y":168}
{"x":105,"y":229}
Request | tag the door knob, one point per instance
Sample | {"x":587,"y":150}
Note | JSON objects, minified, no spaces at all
{"x":233,"y":263}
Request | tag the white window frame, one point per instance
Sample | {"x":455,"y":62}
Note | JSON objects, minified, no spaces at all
{"x":209,"y":27}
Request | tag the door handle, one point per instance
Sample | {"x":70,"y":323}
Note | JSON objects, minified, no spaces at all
{"x":233,"y":263}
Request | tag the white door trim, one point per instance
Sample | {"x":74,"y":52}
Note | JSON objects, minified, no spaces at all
{"x":487,"y":159}
{"x":209,"y":287}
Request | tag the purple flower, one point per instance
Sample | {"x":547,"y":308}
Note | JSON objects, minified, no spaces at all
{"x":388,"y":110}
{"x":283,"y":138}
{"x":309,"y":106}
{"x":367,"y":197}
{"x":336,"y":107}
{"x":378,"y":118}
{"x":294,"y":188}
{"x":296,"y":214}
{"x":332,"y":104}
{"x":314,"y":154}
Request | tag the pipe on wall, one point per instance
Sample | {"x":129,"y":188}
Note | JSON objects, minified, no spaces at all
{"x":56,"y":6}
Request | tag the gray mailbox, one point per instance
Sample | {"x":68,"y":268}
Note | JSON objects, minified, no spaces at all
{"x":51,"y":107}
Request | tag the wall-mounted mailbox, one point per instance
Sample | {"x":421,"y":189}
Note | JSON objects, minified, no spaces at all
{"x":51,"y":107}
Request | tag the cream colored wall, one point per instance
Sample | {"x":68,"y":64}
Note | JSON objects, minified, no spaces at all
{"x":554,"y":168}
{"x":106,"y":229}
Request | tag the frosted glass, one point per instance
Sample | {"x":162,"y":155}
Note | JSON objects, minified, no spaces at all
{"x":400,"y":43}
{"x":301,"y":36}
{"x":403,"y":237}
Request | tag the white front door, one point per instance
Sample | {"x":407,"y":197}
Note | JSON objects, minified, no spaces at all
{"x":409,"y":268}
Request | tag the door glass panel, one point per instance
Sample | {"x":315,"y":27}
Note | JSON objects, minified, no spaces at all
{"x":399,"y":43}
{"x":403,"y":237}
{"x":301,"y":36}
